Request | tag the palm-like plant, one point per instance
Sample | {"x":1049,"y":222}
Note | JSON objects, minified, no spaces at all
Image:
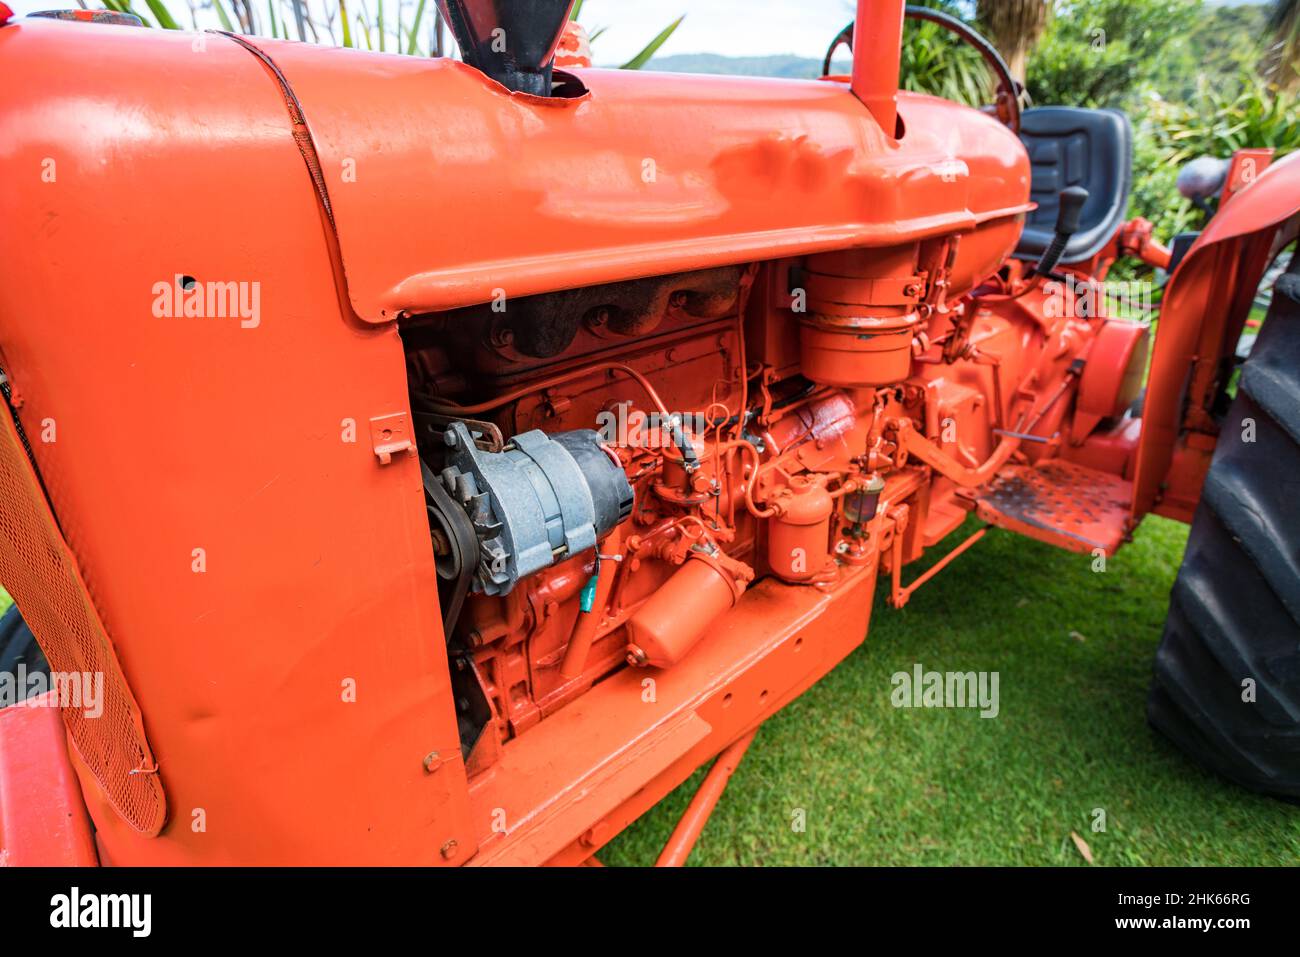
{"x":1013,"y":26}
{"x":348,"y":23}
{"x":1227,"y":116}
{"x":934,"y":60}
{"x":649,"y":50}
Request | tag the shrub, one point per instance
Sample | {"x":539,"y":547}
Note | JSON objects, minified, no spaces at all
{"x":1220,"y":118}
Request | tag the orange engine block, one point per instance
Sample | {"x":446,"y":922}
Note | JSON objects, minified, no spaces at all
{"x":761,"y":442}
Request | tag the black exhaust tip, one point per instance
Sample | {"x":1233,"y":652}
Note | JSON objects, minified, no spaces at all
{"x":512,"y":41}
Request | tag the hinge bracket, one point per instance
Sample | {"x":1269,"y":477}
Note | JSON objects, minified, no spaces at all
{"x":391,"y":434}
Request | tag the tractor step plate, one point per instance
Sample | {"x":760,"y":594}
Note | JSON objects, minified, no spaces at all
{"x":1060,"y":503}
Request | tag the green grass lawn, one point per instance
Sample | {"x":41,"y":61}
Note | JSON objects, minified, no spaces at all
{"x":885,"y":785}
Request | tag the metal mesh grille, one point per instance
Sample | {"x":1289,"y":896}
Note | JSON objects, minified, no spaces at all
{"x":41,"y":574}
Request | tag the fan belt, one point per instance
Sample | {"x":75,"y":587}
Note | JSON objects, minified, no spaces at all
{"x":456,"y":555}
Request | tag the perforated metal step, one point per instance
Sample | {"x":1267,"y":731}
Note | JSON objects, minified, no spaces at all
{"x":1060,"y":503}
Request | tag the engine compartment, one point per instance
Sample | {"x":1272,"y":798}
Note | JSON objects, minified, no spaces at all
{"x":880,"y":391}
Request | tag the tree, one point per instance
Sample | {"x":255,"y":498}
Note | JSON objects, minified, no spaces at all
{"x":1284,"y":56}
{"x":1013,"y":26}
{"x":1098,"y":53}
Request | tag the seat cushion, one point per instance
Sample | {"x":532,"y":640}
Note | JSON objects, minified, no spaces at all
{"x":1069,"y":146}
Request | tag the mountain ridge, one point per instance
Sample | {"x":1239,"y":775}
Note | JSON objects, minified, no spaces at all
{"x":786,"y":65}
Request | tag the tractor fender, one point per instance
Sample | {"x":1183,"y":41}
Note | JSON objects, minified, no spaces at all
{"x":1271,"y":199}
{"x":43,"y":816}
{"x":1204,"y":287}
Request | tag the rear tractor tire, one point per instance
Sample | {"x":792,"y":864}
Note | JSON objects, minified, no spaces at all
{"x":1227,"y":672}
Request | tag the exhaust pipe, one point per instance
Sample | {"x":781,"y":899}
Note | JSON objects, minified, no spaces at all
{"x":512,"y":41}
{"x":877,"y":55}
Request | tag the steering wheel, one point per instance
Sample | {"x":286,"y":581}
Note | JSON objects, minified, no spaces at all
{"x":1007,"y":106}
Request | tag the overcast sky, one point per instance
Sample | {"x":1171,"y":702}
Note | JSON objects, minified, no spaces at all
{"x":732,"y":27}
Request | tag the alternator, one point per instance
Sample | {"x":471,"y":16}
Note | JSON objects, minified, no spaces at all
{"x":540,"y":499}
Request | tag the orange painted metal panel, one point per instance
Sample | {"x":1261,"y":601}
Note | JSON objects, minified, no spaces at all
{"x":41,"y":573}
{"x":43,"y":821}
{"x":1217,"y":276}
{"x":179,"y":433}
{"x":573,"y":770}
{"x":778,"y":641}
{"x":468,"y":188}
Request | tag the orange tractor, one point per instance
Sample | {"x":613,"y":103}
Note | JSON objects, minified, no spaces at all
{"x":432,"y":462}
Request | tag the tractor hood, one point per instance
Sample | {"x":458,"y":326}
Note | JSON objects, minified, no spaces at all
{"x":445,"y":188}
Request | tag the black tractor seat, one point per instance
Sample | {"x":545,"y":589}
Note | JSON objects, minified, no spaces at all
{"x":1069,"y":146}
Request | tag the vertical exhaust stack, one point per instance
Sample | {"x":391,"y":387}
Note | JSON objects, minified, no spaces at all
{"x":877,"y":55}
{"x":512,"y":41}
